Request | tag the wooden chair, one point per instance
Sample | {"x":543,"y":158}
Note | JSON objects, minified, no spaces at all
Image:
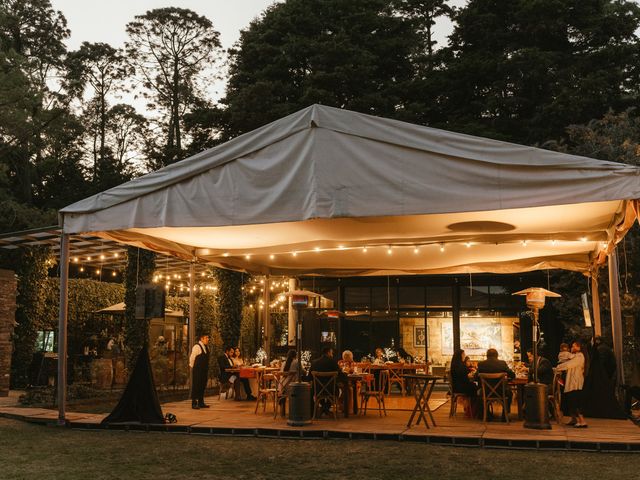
{"x":455,"y":397}
{"x":376,"y":391}
{"x":494,"y":390}
{"x":554,"y":397}
{"x":281,"y":396}
{"x":396,"y":370}
{"x":225,"y":386}
{"x":325,"y":388}
{"x":265,"y":390}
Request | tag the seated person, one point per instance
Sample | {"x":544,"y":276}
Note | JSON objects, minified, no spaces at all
{"x":326,"y":363}
{"x":290,"y":370}
{"x":237,"y":358}
{"x":545,"y":371}
{"x":461,"y":381}
{"x":347,"y":364}
{"x":403,"y":356}
{"x":494,"y":365}
{"x":379,"y":359}
{"x":226,"y":361}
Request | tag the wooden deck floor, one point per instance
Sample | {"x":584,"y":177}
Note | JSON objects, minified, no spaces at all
{"x":228,"y":417}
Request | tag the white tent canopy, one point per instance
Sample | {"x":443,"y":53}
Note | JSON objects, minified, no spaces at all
{"x":334,"y":192}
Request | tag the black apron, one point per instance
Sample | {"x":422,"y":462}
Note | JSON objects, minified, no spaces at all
{"x":200,"y":374}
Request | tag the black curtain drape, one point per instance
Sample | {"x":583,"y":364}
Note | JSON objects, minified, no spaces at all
{"x":139,"y":402}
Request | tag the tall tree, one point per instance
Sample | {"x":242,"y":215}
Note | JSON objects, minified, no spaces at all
{"x":351,"y":54}
{"x":172,"y":51}
{"x":99,"y":67}
{"x":523,"y":70}
{"x":32,"y":50}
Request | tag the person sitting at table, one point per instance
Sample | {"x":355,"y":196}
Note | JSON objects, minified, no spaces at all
{"x":226,"y":361}
{"x":494,"y":365}
{"x":461,"y":382}
{"x":347,"y":364}
{"x":545,"y":371}
{"x":403,"y":356}
{"x":326,"y":363}
{"x":470,"y":366}
{"x":237,"y":358}
{"x":379,"y":359}
{"x":290,"y":370}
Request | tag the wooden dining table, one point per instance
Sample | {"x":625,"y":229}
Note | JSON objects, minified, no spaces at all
{"x":424,"y":388}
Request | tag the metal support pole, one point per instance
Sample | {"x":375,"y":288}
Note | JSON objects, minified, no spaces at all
{"x":266,"y":319}
{"x":534,"y":344}
{"x":191,"y":341}
{"x":616,"y":317}
{"x":292,"y":320}
{"x":595,"y":301}
{"x":62,"y":329}
{"x":192,"y":305}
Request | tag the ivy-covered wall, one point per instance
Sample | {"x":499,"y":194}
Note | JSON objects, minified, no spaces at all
{"x":32,"y":265}
{"x":141,"y":264}
{"x":86,"y":297}
{"x":228,"y":303}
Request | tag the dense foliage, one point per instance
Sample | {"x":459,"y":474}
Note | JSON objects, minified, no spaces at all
{"x":139,"y":271}
{"x":32,"y":270}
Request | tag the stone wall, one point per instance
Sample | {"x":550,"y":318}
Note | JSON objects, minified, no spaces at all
{"x":8,"y":287}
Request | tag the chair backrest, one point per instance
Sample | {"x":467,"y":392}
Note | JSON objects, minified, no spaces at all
{"x":395,"y":372}
{"x":449,"y":381}
{"x":494,"y":386}
{"x":262,"y":377}
{"x":380,"y":381}
{"x":324,"y":384}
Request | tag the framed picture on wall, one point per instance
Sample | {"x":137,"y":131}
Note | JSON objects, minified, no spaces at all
{"x":419,"y":336}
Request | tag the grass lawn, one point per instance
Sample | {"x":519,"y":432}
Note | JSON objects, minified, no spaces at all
{"x":32,"y":451}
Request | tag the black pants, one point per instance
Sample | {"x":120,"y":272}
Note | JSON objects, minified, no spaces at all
{"x":199,"y":383}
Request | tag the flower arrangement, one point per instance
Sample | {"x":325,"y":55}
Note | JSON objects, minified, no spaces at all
{"x":261,"y":355}
{"x":389,"y":353}
{"x":306,"y":359}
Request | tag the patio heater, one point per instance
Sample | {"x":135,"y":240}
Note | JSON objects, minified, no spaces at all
{"x":535,"y":394}
{"x":300,"y":392}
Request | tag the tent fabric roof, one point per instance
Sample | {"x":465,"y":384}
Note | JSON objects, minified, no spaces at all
{"x":329,"y":180}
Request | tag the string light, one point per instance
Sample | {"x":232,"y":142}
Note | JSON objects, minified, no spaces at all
{"x":101,"y":257}
{"x":340,"y":247}
{"x":442,"y":247}
{"x":468,"y":244}
{"x":82,"y":269}
{"x":524,"y":243}
{"x":389,"y":252}
{"x":116,"y":255}
{"x":317,"y":249}
{"x":583,"y":239}
{"x":364,"y":249}
{"x":553,"y":242}
{"x":295,"y":254}
{"x":247,"y":256}
{"x":415,"y":250}
{"x":225,"y":254}
{"x":75,"y":259}
{"x":113,"y":274}
{"x":88,"y":259}
{"x":272,"y":256}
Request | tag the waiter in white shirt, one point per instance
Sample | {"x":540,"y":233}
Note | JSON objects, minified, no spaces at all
{"x":199,"y":363}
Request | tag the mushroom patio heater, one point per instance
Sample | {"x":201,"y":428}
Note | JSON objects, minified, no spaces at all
{"x":300,"y":392}
{"x":535,"y":394}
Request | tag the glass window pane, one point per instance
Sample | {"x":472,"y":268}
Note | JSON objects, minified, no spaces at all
{"x":439,"y":297}
{"x":475,"y":297}
{"x":440,"y":337}
{"x":355,"y":335}
{"x":383,"y":297}
{"x":502,"y":298}
{"x":412,"y":297}
{"x":412,"y":334}
{"x":480,"y":331}
{"x":384,"y":329}
{"x":357,"y":298}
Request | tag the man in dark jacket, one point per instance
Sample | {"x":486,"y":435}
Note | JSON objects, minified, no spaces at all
{"x":545,"y":371}
{"x":326,"y":363}
{"x":224,"y":362}
{"x":494,"y":365}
